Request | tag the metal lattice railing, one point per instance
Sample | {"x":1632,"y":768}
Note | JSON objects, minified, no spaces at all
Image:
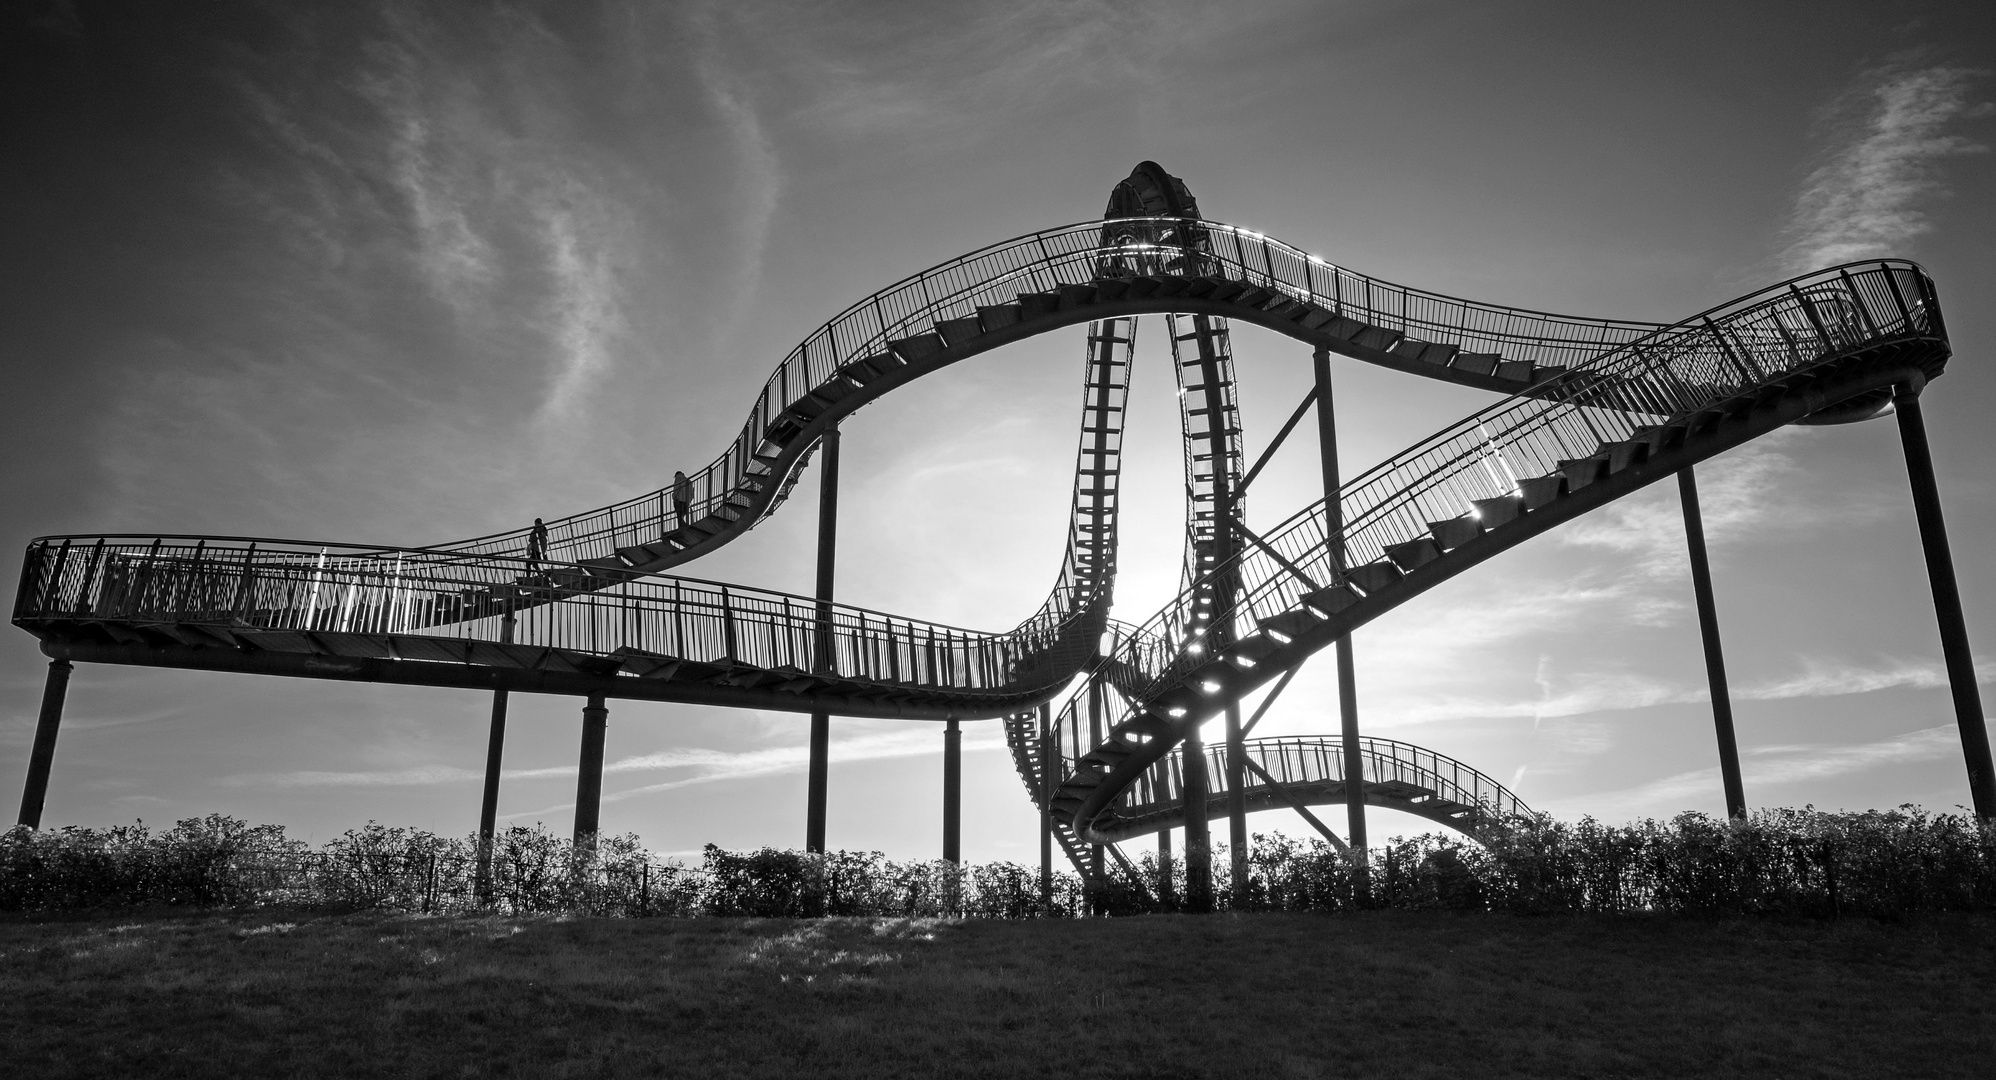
{"x":1304,"y":760}
{"x":1668,"y":372}
{"x":1042,"y":262}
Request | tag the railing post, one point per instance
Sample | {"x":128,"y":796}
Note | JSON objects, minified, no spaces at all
{"x":589,"y":777}
{"x":495,"y":748}
{"x":35,"y":792}
{"x":821,"y":721}
{"x":1354,"y":761}
{"x":952,"y":792}
{"x":1715,"y":657}
{"x":1947,"y":602}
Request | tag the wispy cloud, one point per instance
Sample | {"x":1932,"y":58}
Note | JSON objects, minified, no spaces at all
{"x":708,"y":766}
{"x":1889,"y":132}
{"x":1770,"y":767}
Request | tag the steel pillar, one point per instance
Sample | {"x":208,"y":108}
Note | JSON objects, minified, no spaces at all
{"x":1715,"y":657}
{"x":1198,"y":837}
{"x":952,"y":793}
{"x":1049,"y":780}
{"x":495,"y":749}
{"x":1165,"y":890}
{"x":1237,"y":837}
{"x":1947,"y":602}
{"x":54,"y":692}
{"x":821,"y":722}
{"x":589,"y":775}
{"x":1327,"y":440}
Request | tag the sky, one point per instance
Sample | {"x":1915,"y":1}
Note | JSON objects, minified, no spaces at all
{"x":400,"y":274}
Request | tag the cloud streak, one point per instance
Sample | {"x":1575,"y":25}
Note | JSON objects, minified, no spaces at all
{"x":1891,"y":132}
{"x":710,"y":766}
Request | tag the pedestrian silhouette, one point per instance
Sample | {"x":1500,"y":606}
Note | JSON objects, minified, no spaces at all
{"x":537,"y":546}
{"x":682,"y":498}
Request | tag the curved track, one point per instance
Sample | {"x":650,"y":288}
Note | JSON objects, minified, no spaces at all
{"x":1593,"y":409}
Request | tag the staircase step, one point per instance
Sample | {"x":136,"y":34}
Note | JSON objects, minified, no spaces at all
{"x":1109,"y":288}
{"x":1376,"y":337}
{"x":1425,"y":352}
{"x":911,"y":349}
{"x":1414,"y":554}
{"x":1373,"y":576}
{"x":1515,"y":370}
{"x":1455,"y":532}
{"x":1621,"y":455}
{"x":1038,"y":305}
{"x":1252,"y":649}
{"x":1501,"y":510}
{"x":1074,"y":296}
{"x":1315,"y":317}
{"x":1539,"y":491}
{"x":1291,"y":623}
{"x":1477,"y":363}
{"x":1580,"y":472}
{"x":1331,"y":600}
{"x":1345,"y":328}
{"x":956,"y":332}
{"x":991,"y":318}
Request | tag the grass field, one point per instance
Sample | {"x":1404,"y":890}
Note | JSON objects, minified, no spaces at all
{"x":1387,"y":994}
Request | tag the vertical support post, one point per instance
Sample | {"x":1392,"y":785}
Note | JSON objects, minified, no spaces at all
{"x":1095,"y":881}
{"x":1165,"y":890}
{"x":54,"y":692}
{"x":821,"y":721}
{"x":1198,"y":834}
{"x":495,"y":749}
{"x":1354,"y":760}
{"x":1947,"y":602}
{"x":1237,"y":835}
{"x":589,"y":775}
{"x":1715,"y":657}
{"x":1049,"y":781}
{"x":952,"y":793}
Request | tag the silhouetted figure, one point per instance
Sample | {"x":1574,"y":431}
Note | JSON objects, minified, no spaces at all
{"x":682,"y":499}
{"x":537,"y":546}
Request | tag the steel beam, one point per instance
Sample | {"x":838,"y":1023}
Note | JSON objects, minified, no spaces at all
{"x":1715,"y":656}
{"x":952,"y":793}
{"x":495,"y":749}
{"x":1237,"y":834}
{"x":35,"y":792}
{"x":1947,"y":601}
{"x":1354,"y":760}
{"x":1198,"y":836}
{"x":589,"y":775}
{"x":1049,"y":781}
{"x":817,"y":777}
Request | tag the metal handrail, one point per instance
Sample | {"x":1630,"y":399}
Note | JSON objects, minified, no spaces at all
{"x":1299,"y":760}
{"x":1666,"y":373}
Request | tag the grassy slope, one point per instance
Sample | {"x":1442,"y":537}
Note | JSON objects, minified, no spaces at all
{"x":1384,"y":994}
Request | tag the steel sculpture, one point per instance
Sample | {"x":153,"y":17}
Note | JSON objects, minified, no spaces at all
{"x":1590,"y":410}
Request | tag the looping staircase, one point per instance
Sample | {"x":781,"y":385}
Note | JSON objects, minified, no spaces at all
{"x":1592,"y":409}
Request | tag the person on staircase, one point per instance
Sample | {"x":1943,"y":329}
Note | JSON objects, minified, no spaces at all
{"x":537,"y":547}
{"x":682,"y":500}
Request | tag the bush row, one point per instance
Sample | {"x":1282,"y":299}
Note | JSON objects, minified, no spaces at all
{"x":1779,"y":861}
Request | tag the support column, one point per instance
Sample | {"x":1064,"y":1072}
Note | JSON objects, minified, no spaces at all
{"x":43,"y":755}
{"x":1198,"y":836}
{"x":821,"y":722}
{"x":589,"y":775}
{"x":495,"y":749}
{"x":1049,"y":781}
{"x":1947,"y":602}
{"x":1715,"y":657}
{"x":952,"y":793}
{"x":1166,"y":891}
{"x":1237,"y":837}
{"x":1354,"y":761}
